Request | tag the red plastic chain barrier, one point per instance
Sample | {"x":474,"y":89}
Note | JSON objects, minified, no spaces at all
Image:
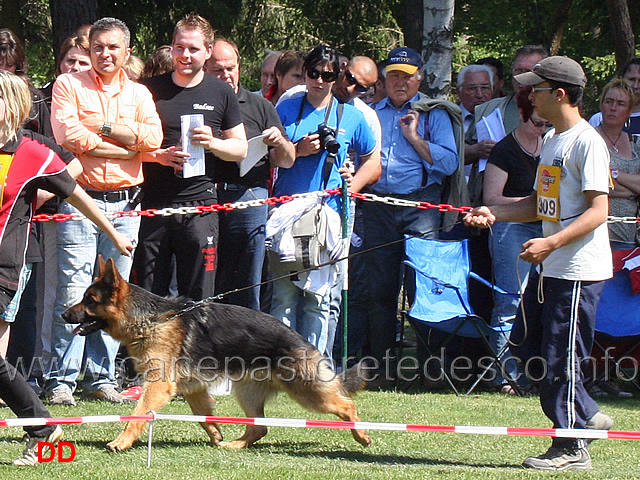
{"x":154,"y":212}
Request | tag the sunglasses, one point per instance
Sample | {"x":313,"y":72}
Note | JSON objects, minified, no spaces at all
{"x":352,"y":81}
{"x":541,"y":124}
{"x":326,"y":76}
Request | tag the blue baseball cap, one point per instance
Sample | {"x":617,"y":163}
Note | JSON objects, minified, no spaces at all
{"x":406,"y":60}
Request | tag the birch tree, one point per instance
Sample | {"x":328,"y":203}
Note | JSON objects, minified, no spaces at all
{"x":437,"y":47}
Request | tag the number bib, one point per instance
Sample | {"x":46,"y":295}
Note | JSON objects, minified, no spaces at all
{"x":548,"y":192}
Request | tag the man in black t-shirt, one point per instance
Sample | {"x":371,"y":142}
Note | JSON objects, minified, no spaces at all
{"x":191,"y":238}
{"x":241,"y":248}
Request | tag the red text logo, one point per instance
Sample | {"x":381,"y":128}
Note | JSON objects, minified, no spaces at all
{"x":49,"y":448}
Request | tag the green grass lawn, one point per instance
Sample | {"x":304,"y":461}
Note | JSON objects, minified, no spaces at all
{"x":181,"y":452}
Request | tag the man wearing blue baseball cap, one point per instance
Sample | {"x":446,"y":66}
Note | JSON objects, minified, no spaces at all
{"x":418,"y":152}
{"x":571,"y":198}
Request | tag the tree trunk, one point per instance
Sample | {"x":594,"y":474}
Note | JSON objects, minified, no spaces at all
{"x":559,"y":24}
{"x":412,"y":24}
{"x":67,"y":16}
{"x":437,"y":47}
{"x":622,"y":32}
{"x":10,"y":14}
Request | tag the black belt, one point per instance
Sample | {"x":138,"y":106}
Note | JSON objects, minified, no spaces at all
{"x":113,"y":195}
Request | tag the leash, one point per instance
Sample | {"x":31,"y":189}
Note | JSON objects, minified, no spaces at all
{"x":197,"y":303}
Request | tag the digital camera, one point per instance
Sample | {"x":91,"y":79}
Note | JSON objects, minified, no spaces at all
{"x":328,"y":138}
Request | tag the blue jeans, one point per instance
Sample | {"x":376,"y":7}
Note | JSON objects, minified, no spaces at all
{"x":79,"y":242}
{"x":505,"y":244}
{"x":306,"y":312}
{"x":241,"y":247}
{"x":384,"y":224}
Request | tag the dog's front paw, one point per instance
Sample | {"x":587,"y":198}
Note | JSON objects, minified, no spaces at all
{"x":361,"y":437}
{"x":119,"y":444}
{"x":236,"y":444}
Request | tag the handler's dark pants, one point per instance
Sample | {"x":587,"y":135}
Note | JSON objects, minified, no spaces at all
{"x":22,"y":400}
{"x":551,"y":341}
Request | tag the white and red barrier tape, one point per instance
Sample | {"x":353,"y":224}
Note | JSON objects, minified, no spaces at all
{"x":329,"y":424}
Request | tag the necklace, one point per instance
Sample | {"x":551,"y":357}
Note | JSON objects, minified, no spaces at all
{"x":613,"y":144}
{"x":532,"y":154}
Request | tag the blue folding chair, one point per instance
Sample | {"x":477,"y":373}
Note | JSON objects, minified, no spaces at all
{"x":618,"y":321}
{"x":442,"y":273}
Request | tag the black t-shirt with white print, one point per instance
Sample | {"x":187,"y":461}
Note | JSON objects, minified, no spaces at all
{"x":218,"y":103}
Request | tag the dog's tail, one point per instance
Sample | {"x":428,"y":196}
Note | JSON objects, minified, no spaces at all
{"x":353,"y":379}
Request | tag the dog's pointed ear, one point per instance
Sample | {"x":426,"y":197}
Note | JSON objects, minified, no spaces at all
{"x":101,"y":265}
{"x":110,"y":273}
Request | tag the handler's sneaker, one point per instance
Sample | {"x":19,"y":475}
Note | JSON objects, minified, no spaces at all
{"x":560,"y":459}
{"x":600,"y":421}
{"x":29,"y":457}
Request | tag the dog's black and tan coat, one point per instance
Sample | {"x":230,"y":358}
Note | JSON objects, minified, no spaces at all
{"x":183,"y":347}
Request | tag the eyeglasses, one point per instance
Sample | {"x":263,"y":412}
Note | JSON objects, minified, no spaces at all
{"x":541,"y":89}
{"x":541,"y":124}
{"x":326,"y":76}
{"x":352,"y":81}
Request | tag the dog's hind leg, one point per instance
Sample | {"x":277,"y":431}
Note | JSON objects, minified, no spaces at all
{"x":155,"y":395}
{"x":251,"y":396}
{"x":328,"y":398}
{"x":200,"y":405}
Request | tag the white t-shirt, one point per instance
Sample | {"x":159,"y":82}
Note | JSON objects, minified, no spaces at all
{"x":584,"y":158}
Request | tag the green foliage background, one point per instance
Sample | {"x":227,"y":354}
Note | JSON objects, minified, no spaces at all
{"x":483,"y":28}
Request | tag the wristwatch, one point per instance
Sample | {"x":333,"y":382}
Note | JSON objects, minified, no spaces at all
{"x":614,"y":173}
{"x":105,"y":131}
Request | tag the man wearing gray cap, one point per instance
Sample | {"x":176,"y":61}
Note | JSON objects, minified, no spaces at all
{"x":573,"y":258}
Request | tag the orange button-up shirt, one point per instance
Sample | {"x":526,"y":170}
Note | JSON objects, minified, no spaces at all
{"x":82,"y":95}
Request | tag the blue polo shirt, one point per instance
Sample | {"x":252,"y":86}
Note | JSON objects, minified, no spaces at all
{"x":403,"y":170}
{"x":306,"y":174}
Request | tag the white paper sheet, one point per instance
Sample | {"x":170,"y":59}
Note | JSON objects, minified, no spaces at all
{"x":490,"y":127}
{"x":257,"y":150}
{"x":195,"y":165}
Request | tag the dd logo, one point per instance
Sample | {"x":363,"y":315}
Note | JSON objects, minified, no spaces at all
{"x":44,"y":446}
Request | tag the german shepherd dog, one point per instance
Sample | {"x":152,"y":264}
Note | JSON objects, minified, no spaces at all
{"x":182,"y":347}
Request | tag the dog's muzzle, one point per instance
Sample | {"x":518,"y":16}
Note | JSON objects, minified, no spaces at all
{"x":86,"y":325}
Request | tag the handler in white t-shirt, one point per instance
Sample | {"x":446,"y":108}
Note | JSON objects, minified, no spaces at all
{"x":571,"y":197}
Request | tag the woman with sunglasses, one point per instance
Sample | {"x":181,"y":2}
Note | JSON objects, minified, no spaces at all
{"x":509,"y":177}
{"x":304,"y":309}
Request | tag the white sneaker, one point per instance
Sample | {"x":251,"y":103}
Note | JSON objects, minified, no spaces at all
{"x":560,"y":459}
{"x":29,"y":457}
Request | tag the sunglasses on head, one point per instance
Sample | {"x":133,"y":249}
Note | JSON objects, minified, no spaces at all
{"x":326,"y":76}
{"x":352,"y":81}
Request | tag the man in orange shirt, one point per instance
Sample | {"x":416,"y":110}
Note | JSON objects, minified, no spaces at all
{"x":106,"y":120}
